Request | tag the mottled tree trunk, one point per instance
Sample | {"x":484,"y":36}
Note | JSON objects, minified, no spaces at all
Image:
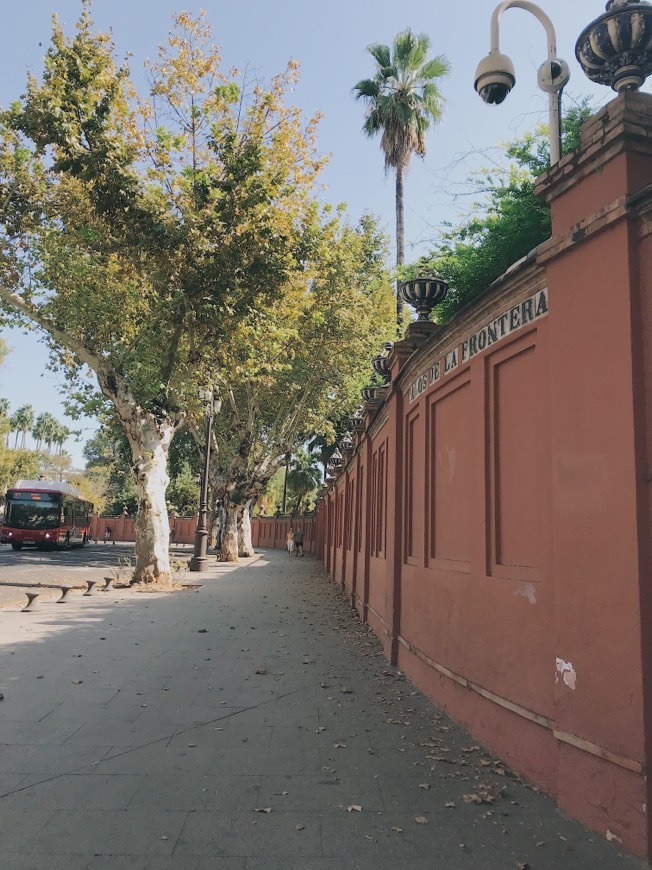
{"x":245,"y":545}
{"x":149,"y":437}
{"x":150,"y":453}
{"x":230,"y":549}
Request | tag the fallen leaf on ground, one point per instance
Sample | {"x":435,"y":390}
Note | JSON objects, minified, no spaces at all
{"x":261,"y":670}
{"x":262,"y":810}
{"x":202,"y":631}
{"x":346,"y":691}
{"x":398,"y":830}
{"x":421,"y":820}
{"x":340,"y":746}
{"x":425,"y":785}
{"x":449,"y":804}
{"x":354,"y":808}
{"x":300,"y":827}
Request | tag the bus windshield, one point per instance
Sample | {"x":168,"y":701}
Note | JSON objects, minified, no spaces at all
{"x":43,"y":514}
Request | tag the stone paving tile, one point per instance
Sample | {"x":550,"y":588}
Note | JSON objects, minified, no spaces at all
{"x":323,"y":791}
{"x":142,"y":862}
{"x":17,"y":830}
{"x":48,"y":759}
{"x":250,"y":834}
{"x":42,"y":862}
{"x":111,"y":832}
{"x":77,"y":791}
{"x":195,"y":791}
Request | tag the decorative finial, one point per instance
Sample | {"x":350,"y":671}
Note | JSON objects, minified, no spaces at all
{"x":616,"y":48}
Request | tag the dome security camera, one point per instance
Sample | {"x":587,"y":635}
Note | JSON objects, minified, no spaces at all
{"x":494,"y":77}
{"x":553,"y":75}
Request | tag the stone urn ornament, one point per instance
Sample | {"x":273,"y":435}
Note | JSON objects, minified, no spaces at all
{"x":423,"y":294}
{"x":616,"y":49}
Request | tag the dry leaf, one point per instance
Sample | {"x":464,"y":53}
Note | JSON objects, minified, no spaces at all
{"x":300,"y":827}
{"x":261,"y":670}
{"x":340,"y":746}
{"x":522,"y":866}
{"x":354,"y":808}
{"x":262,"y":810}
{"x":421,"y":820}
{"x":472,"y":798}
{"x":449,"y":804}
{"x":346,"y":691}
{"x":398,"y":830}
{"x":425,"y":785}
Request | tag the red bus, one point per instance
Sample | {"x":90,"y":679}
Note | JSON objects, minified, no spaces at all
{"x":45,"y":514}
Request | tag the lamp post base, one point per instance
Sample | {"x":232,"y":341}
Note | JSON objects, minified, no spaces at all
{"x":199,"y":563}
{"x":200,"y":560}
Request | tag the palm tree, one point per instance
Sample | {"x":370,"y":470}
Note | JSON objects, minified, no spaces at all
{"x":39,"y":432}
{"x":303,"y":476}
{"x":61,"y":433}
{"x":22,"y":421}
{"x":403,"y":100}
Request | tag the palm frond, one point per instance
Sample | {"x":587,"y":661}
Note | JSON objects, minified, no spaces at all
{"x":380,"y":53}
{"x":369,"y":88}
{"x":435,"y":68}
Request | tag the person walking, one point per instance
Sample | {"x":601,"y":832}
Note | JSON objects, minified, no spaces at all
{"x":290,"y":542}
{"x":298,"y":542}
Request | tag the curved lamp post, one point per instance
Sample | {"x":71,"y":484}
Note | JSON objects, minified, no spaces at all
{"x":200,"y":560}
{"x":616,"y":48}
{"x":495,"y":75}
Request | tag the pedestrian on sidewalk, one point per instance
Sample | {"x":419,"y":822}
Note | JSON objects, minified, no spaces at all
{"x":298,"y":542}
{"x":290,"y":542}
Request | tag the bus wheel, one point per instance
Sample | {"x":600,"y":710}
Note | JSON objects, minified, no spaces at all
{"x":16,"y":545}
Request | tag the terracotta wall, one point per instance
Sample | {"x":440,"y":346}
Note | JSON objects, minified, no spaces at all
{"x":272,"y":531}
{"x":122,"y":528}
{"x":492,"y":523}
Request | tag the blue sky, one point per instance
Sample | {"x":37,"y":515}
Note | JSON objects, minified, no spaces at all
{"x":329,"y":40}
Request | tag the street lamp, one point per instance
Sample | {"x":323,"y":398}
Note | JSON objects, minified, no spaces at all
{"x":199,"y":561}
{"x":495,"y":75}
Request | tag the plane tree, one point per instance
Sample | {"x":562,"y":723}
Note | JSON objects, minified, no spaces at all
{"x":286,"y":373}
{"x":137,"y":229}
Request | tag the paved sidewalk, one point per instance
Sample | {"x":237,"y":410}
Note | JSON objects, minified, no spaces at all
{"x":251,"y":724}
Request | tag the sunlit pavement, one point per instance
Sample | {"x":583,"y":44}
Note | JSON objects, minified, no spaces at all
{"x":248,"y":723}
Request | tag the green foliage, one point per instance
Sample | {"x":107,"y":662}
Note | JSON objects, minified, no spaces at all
{"x":291,"y":370}
{"x":508,"y":223}
{"x":153,"y":221}
{"x":17,"y":465}
{"x":108,"y":465}
{"x":183,"y":492}
{"x":304,"y":476}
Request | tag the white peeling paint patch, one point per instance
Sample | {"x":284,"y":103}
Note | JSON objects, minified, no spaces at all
{"x":611,"y":836}
{"x":567,"y":673}
{"x":528,"y":591}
